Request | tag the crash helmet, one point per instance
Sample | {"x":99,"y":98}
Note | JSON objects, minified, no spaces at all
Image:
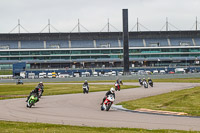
{"x":148,"y":78}
{"x":40,"y":82}
{"x":85,"y":81}
{"x":112,"y":90}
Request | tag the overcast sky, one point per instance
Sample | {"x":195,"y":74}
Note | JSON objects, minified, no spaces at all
{"x":94,"y":14}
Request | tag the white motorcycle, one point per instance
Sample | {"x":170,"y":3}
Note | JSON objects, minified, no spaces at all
{"x":108,"y":103}
{"x":145,"y":84}
{"x":85,"y":89}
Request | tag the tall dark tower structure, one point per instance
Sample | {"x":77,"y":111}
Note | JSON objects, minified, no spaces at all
{"x":125,"y":41}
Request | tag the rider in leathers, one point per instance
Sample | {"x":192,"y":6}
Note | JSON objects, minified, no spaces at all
{"x":111,"y":91}
{"x":41,"y":86}
{"x":35,"y":91}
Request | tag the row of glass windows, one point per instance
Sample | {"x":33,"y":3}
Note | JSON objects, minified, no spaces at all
{"x":58,"y":57}
{"x":96,"y":57}
{"x":169,"y":55}
{"x":165,"y":50}
{"x":60,"y":52}
{"x":115,"y":51}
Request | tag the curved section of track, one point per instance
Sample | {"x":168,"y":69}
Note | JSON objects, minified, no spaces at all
{"x":84,"y":110}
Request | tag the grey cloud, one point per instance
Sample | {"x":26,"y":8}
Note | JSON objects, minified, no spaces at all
{"x":94,"y":14}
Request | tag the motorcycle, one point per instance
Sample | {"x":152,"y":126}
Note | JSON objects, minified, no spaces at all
{"x":141,"y":83}
{"x":85,"y":89}
{"x":151,"y":83}
{"x":108,"y":103}
{"x":117,"y":87}
{"x":19,"y":82}
{"x":31,"y":101}
{"x":145,"y":84}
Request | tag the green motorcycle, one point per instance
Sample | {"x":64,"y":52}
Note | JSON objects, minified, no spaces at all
{"x":31,"y":101}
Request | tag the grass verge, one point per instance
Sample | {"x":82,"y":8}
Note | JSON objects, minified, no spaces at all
{"x":178,"y":101}
{"x":22,"y":127}
{"x":16,"y":91}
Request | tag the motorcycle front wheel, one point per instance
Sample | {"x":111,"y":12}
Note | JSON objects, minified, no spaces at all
{"x":102,"y":108}
{"x":108,"y":106}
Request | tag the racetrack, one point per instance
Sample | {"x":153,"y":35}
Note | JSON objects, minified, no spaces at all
{"x":84,"y":110}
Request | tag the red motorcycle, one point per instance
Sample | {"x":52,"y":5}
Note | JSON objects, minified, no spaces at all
{"x":108,"y":103}
{"x":117,"y":87}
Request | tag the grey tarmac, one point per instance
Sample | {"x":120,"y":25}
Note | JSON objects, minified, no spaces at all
{"x":84,"y":110}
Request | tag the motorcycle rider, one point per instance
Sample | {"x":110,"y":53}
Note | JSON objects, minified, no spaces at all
{"x":144,"y":80}
{"x":35,"y":91}
{"x":19,"y":81}
{"x":120,"y":81}
{"x":86,"y":84}
{"x":41,"y":86}
{"x":149,"y":80}
{"x":140,"y":81}
{"x":117,"y":81}
{"x":111,"y":91}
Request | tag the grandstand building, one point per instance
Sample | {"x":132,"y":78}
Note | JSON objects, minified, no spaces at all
{"x":99,"y":49}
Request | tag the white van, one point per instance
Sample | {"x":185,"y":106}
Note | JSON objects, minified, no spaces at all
{"x":76,"y":74}
{"x":31,"y":75}
{"x":114,"y":73}
{"x":95,"y":74}
{"x":49,"y":75}
{"x":110,"y":73}
{"x":179,"y":70}
{"x":155,"y":71}
{"x":87,"y":74}
{"x":42,"y":75}
{"x":63,"y":75}
{"x":83,"y":74}
{"x":162,"y":72}
{"x":120,"y":73}
{"x":23,"y":74}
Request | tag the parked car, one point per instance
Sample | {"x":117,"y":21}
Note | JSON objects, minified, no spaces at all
{"x":162,"y":72}
{"x":171,"y":72}
{"x":155,"y":71}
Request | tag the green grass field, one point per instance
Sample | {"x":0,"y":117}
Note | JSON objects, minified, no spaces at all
{"x":187,"y":101}
{"x":21,"y":127}
{"x":16,"y":91}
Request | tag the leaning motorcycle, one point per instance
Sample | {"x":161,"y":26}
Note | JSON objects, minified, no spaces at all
{"x":145,"y":84}
{"x":85,"y":89}
{"x":151,"y":83}
{"x":31,"y":101}
{"x":117,"y":87}
{"x":141,"y":83}
{"x":19,"y":82}
{"x":108,"y":103}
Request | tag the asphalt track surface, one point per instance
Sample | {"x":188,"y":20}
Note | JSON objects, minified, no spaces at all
{"x":84,"y":110}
